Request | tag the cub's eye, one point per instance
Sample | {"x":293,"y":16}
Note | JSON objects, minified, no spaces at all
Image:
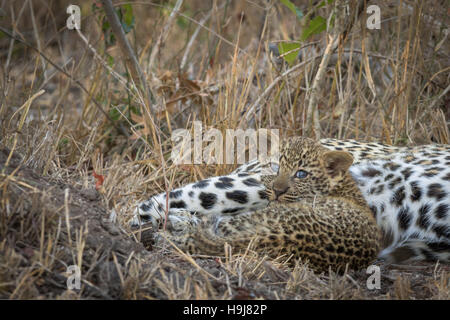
{"x":275,"y":167}
{"x":301,"y":174}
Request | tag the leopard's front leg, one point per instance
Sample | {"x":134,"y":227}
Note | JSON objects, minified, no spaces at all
{"x":213,"y":232}
{"x":328,"y":234}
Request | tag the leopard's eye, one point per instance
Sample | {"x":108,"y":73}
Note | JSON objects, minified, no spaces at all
{"x":301,"y":174}
{"x":275,"y":167}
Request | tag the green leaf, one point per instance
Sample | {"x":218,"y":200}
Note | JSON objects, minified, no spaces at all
{"x":293,"y":8}
{"x":135,"y":110}
{"x":110,"y":60}
{"x":182,"y":22}
{"x":128,"y":16}
{"x":109,"y":35}
{"x":105,"y":25}
{"x":291,"y":47}
{"x":63,"y":142}
{"x":324,"y":3}
{"x":316,"y":26}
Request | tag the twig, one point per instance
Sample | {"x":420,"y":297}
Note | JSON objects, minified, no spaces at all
{"x":250,"y":110}
{"x":11,"y":44}
{"x":312,"y":114}
{"x":130,"y":58}
{"x":194,"y":36}
{"x":26,"y":106}
{"x":117,"y":76}
{"x":433,"y":104}
{"x":163,"y":34}
{"x":188,"y":258}
{"x":36,"y":35}
{"x":443,"y":93}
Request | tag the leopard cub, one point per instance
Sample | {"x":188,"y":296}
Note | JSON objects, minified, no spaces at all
{"x":329,"y":225}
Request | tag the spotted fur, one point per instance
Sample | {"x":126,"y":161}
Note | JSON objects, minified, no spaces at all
{"x":407,"y":189}
{"x":409,"y":195}
{"x":232,"y":194}
{"x":331,"y":227}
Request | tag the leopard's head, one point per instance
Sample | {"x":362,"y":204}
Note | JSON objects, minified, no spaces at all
{"x":307,"y":169}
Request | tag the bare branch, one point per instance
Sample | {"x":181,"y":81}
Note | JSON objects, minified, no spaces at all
{"x":130,"y":58}
{"x":312,"y":113}
{"x":163,"y":34}
{"x":251,"y":110}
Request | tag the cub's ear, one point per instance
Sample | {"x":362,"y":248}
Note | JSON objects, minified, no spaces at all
{"x":337,"y":162}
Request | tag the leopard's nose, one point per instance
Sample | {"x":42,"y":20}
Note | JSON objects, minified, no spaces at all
{"x":279,"y":192}
{"x":279,"y":187}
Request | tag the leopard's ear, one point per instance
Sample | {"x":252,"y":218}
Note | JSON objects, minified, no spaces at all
{"x":337,"y":162}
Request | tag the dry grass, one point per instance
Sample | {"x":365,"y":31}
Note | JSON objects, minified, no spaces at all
{"x":394,"y":89}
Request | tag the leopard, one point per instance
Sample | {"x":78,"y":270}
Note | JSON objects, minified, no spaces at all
{"x":243,"y":189}
{"x":406,"y":189}
{"x":331,"y":227}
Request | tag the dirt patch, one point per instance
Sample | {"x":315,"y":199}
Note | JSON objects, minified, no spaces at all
{"x":35,"y":213}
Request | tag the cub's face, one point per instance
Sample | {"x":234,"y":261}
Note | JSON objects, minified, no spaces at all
{"x":307,"y":169}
